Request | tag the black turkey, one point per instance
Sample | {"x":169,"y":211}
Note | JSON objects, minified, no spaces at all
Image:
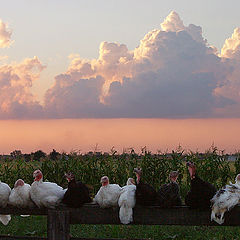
{"x":145,"y":194}
{"x":201,"y":192}
{"x":77,"y":193}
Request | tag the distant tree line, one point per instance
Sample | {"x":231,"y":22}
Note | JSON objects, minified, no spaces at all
{"x":35,"y":156}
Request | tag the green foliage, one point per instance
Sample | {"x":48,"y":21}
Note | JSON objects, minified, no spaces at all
{"x":212,"y":166}
{"x":237,"y":163}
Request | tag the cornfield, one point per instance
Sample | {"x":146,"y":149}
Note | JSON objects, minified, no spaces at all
{"x":212,"y":166}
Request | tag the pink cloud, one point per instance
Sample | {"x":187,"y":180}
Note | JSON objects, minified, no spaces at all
{"x":16,"y":99}
{"x":5,"y":35}
{"x":173,"y":73}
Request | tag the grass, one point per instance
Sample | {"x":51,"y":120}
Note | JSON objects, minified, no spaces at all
{"x":27,"y":226}
{"x":37,"y":226}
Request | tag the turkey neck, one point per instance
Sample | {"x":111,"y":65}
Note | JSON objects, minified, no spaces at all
{"x":138,"y":178}
{"x":72,"y":183}
{"x":38,"y":180}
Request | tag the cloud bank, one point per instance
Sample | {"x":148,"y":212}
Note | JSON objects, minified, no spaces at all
{"x":173,"y":73}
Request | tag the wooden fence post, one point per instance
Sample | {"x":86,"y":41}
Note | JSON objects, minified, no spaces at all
{"x":58,"y":227}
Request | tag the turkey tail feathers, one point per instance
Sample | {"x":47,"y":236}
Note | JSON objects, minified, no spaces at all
{"x":125,"y":213}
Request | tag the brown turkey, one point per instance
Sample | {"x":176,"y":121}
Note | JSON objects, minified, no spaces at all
{"x":169,"y":193}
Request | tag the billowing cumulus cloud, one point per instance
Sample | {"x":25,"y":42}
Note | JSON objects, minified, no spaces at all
{"x":74,"y":98}
{"x":81,"y":90}
{"x":5,"y":35}
{"x":174,"y":73}
{"x":231,"y":47}
{"x":230,"y":55}
{"x":172,"y":23}
{"x":16,"y":99}
{"x":16,"y":79}
{"x":181,"y":84}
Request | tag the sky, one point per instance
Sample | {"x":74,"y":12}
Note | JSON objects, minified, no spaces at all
{"x":83,"y":135}
{"x":119,"y":59}
{"x":119,"y":73}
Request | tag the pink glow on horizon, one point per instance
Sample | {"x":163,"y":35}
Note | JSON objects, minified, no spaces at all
{"x":157,"y":134}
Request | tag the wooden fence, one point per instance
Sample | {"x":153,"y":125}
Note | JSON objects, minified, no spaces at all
{"x":59,"y":220}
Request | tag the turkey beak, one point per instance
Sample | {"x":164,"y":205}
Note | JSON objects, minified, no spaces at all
{"x":66,"y":176}
{"x":103,"y":180}
{"x":189,"y":164}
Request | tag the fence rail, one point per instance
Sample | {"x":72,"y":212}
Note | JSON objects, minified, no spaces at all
{"x":59,"y":220}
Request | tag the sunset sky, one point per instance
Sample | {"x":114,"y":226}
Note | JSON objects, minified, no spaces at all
{"x":115,"y":59}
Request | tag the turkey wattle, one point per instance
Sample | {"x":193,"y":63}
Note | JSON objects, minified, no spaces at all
{"x":45,"y":194}
{"x":108,"y":194}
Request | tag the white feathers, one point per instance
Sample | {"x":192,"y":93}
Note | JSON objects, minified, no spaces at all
{"x":224,"y":200}
{"x":5,"y":219}
{"x":45,"y":194}
{"x":108,"y":194}
{"x":4,"y":195}
{"x":5,"y":191}
{"x":127,"y":202}
{"x":20,"y":195}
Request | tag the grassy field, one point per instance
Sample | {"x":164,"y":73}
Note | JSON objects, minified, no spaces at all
{"x":36,"y":226}
{"x":212,"y":166}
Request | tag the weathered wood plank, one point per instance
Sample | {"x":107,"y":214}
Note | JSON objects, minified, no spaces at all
{"x":58,"y":227}
{"x":23,"y":211}
{"x":92,"y":214}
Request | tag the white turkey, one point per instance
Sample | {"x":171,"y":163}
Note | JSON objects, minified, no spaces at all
{"x":45,"y":194}
{"x":127,"y":202}
{"x":20,"y":195}
{"x":4,"y":195}
{"x":225,"y":199}
{"x":108,"y":194}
